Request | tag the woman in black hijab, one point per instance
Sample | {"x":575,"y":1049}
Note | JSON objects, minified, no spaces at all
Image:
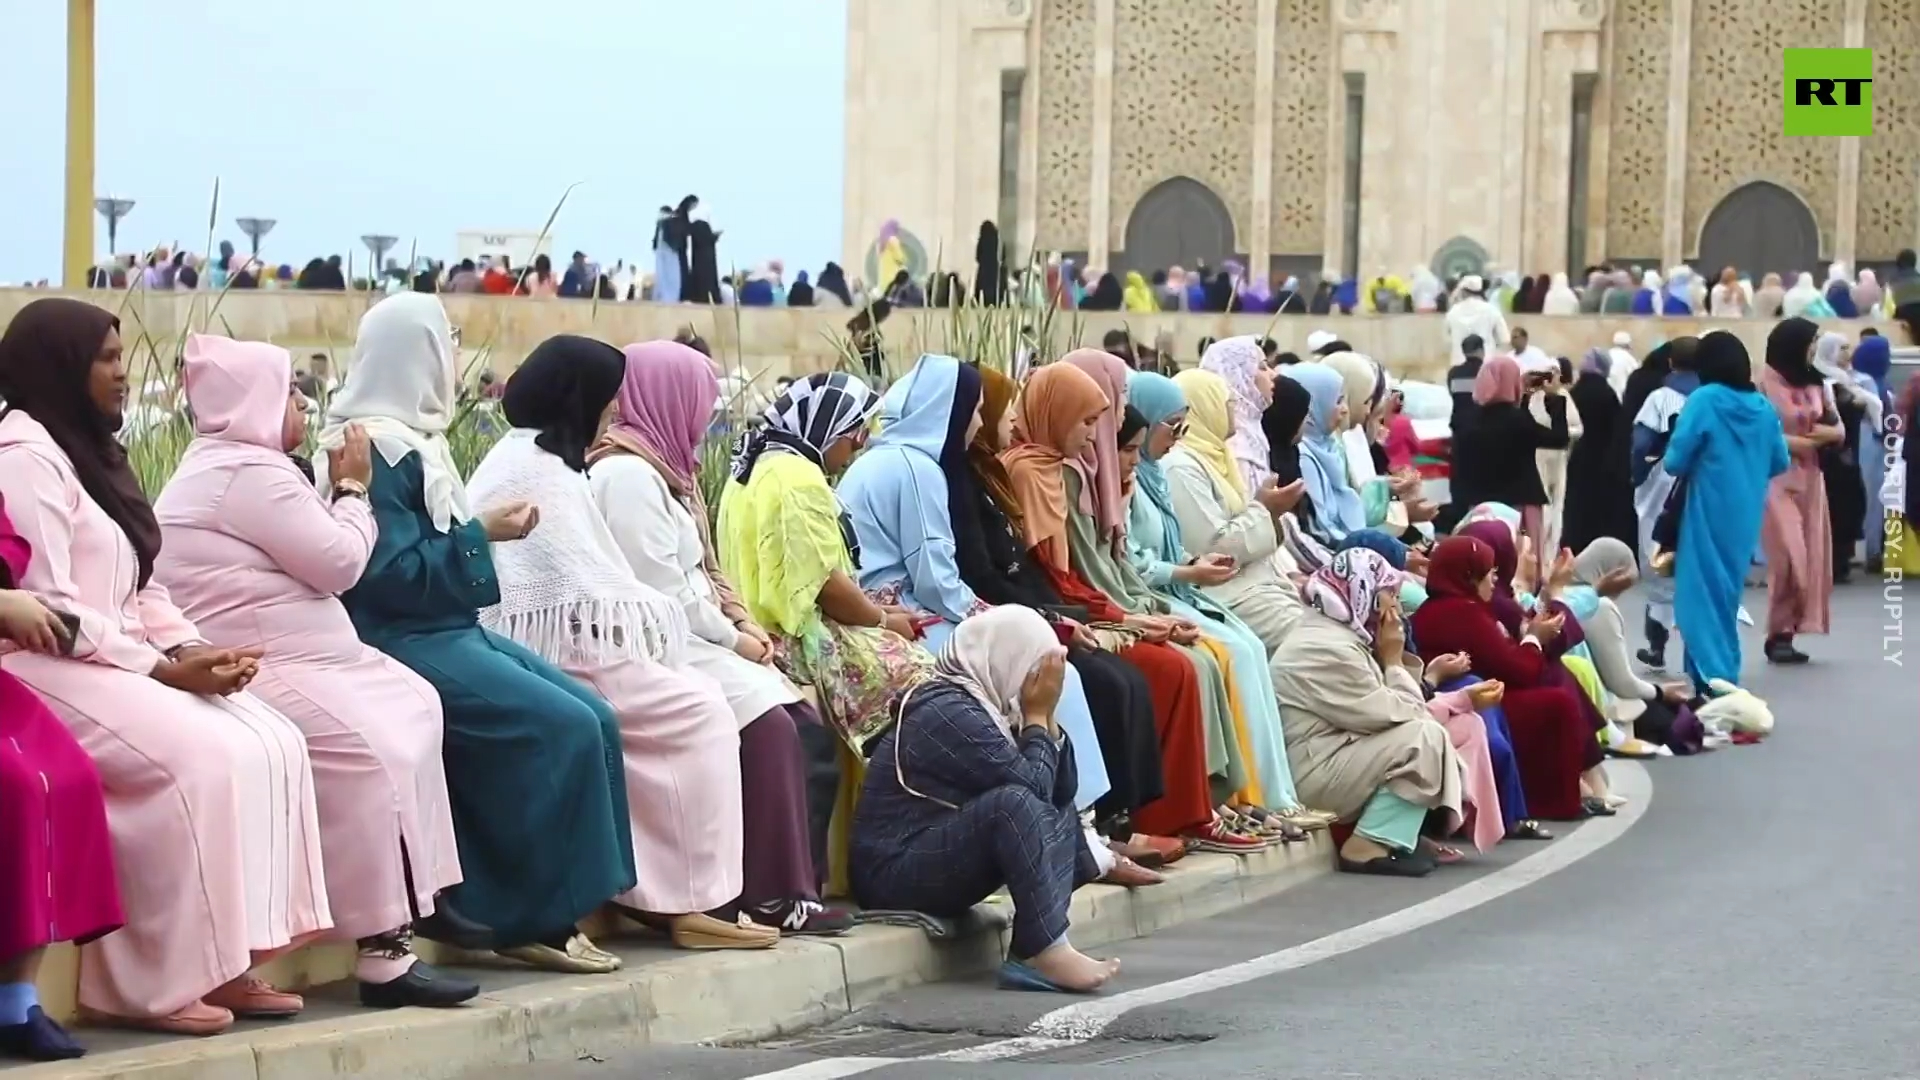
{"x":1795,"y":534}
{"x":1283,"y":421}
{"x":989,"y":281}
{"x":1599,"y":491}
{"x":60,"y":363}
{"x":1106,"y":295}
{"x":1220,"y":297}
{"x":833,"y":282}
{"x":562,"y":390}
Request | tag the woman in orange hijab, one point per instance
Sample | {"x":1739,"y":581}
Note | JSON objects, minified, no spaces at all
{"x":1059,"y":415}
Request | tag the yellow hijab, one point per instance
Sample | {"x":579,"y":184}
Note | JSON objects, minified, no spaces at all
{"x":1139,"y":298}
{"x":1209,"y":419}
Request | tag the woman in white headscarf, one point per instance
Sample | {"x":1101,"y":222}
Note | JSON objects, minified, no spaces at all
{"x":1804,"y":300}
{"x":1680,"y":285}
{"x":1622,"y":362}
{"x":1426,"y":290}
{"x":1560,"y":299}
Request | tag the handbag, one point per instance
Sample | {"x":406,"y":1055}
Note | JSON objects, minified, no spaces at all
{"x":1666,"y":527}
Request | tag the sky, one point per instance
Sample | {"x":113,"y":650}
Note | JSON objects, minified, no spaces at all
{"x":423,"y":118}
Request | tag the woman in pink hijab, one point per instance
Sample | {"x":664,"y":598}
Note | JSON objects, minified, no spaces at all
{"x":255,"y":557}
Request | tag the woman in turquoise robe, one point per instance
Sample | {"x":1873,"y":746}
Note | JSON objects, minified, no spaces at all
{"x":533,"y":758}
{"x":1156,"y":551}
{"x":1727,"y":446}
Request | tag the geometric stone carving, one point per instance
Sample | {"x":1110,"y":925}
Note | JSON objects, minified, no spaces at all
{"x":1304,"y":49}
{"x":1457,"y":257}
{"x":1760,"y":228}
{"x":1066,"y":124}
{"x":1890,"y":157}
{"x":1733,"y":121}
{"x":1180,"y":107}
{"x":1637,"y":143}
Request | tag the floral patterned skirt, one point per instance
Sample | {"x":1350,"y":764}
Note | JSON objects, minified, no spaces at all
{"x":858,"y":673}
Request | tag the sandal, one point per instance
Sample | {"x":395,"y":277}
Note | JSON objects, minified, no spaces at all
{"x":1529,"y":829}
{"x":1597,"y":807}
{"x":1408,"y":864}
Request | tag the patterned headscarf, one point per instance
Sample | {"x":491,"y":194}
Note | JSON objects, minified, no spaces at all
{"x":1238,"y":360}
{"x":1347,"y":589}
{"x":806,"y":419}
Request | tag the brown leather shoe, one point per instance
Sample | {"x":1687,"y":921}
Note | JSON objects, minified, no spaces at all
{"x":707,"y":932}
{"x":197,"y":1019}
{"x":1130,"y":875}
{"x":1152,"y":852}
{"x":253,"y":998}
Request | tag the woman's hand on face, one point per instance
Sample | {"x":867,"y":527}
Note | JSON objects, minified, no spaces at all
{"x":1390,"y":637}
{"x":1277,"y":499}
{"x":1040,"y":693}
{"x":1486,"y":694}
{"x":353,"y":460}
{"x":26,"y":622}
{"x":510,"y":521}
{"x":752,"y":649}
{"x":1447,"y":667}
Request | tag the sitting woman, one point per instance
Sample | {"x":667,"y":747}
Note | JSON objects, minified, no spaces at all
{"x":1064,"y":414}
{"x":644,"y":477}
{"x":1603,"y":573}
{"x":567,"y":594}
{"x":209,"y":891}
{"x":1243,"y":365}
{"x":970,"y":793}
{"x":256,"y":559}
{"x":787,"y":546}
{"x":990,"y":549}
{"x":1188,"y":453}
{"x":1390,"y":500}
{"x":532,"y":757}
{"x":56,"y":855}
{"x":1359,"y":729}
{"x":1157,"y":552}
{"x":1331,"y":508}
{"x":1553,"y":738}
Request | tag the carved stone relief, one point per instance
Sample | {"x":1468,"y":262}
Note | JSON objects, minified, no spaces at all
{"x":1301,"y":107}
{"x":1066,"y":124}
{"x":1637,"y":152}
{"x":1733,"y":116}
{"x":1890,"y":157}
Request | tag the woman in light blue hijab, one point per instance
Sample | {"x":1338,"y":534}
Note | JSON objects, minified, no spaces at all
{"x":895,"y":495}
{"x":1337,"y":507}
{"x":1155,"y":549}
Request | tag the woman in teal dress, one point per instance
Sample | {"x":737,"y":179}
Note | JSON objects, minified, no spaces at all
{"x":532,"y":757}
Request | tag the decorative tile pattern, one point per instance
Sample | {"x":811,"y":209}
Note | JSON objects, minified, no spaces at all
{"x":1301,"y":109}
{"x":1890,"y":157}
{"x":1181,"y":76}
{"x":1637,"y":143}
{"x":1733,"y":115}
{"x":1066,"y":124}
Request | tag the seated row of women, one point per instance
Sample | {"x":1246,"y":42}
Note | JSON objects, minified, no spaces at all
{"x":390,"y":704}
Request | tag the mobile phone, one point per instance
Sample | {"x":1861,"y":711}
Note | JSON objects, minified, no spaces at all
{"x":69,"y":631}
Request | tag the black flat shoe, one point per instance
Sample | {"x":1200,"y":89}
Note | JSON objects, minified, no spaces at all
{"x":1410,"y":864}
{"x":1652,"y":661}
{"x":1530,"y":829}
{"x":423,"y":985}
{"x":1780,"y":650}
{"x":1597,"y":807}
{"x":448,"y":927}
{"x":39,"y":1039}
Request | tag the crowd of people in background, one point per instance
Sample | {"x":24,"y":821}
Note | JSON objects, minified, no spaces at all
{"x":1057,"y":620}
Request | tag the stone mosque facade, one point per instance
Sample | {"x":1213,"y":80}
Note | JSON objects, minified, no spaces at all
{"x":1371,"y":136}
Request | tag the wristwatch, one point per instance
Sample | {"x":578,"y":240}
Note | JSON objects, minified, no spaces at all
{"x":349,"y":489}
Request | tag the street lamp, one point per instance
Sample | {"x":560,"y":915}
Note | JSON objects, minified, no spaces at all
{"x":255,"y":228}
{"x":379,"y":244}
{"x":114,"y":210}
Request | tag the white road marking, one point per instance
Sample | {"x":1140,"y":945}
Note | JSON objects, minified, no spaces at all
{"x":1087,"y":1020}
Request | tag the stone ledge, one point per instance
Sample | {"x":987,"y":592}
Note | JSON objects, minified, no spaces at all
{"x":689,"y":998}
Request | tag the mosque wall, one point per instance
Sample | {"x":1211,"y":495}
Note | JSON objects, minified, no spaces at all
{"x":1522,"y":133}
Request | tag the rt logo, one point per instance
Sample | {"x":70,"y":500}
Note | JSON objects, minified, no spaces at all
{"x":1828,"y":92}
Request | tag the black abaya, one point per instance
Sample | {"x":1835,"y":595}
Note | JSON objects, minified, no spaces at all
{"x":1599,"y":490}
{"x":1846,"y":488}
{"x":703,"y":279}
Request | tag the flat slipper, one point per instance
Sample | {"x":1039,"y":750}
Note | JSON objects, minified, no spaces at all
{"x":1014,"y":975}
{"x":1408,"y":864}
{"x":1530,"y":829}
{"x":1596,"y":807}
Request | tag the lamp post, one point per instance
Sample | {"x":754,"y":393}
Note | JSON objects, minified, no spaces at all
{"x":77,"y":239}
{"x":255,"y":228}
{"x":378,"y":244}
{"x":115,"y":211}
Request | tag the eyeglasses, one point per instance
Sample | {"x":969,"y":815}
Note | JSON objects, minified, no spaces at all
{"x":1177,"y":429}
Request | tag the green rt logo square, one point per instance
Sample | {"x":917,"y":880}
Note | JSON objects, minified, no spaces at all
{"x":1828,"y":92}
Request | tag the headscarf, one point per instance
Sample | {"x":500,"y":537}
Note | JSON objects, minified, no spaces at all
{"x":666,"y":402}
{"x":1057,"y":398}
{"x":1282,"y":421}
{"x":1499,"y":381}
{"x":801,"y":294}
{"x":809,"y":416}
{"x":1506,"y":557}
{"x":402,"y":389}
{"x":1323,"y":461}
{"x":1826,"y":356}
{"x":1380,"y":544}
{"x":46,"y":361}
{"x":1492,"y":511}
{"x":1101,"y":459}
{"x":1873,"y":357}
{"x":1238,"y":361}
{"x":1359,"y":380}
{"x":1722,"y":358}
{"x":1456,"y":567}
{"x":1603,"y":556}
{"x":1155,"y":398}
{"x":1139,"y":295}
{"x":1788,"y":351}
{"x":1800,"y":297}
{"x":1347,"y":589}
{"x":1866,"y":293}
{"x":237,"y":392}
{"x":1560,"y":299}
{"x":997,"y":394}
{"x":833,"y":281}
{"x":561,"y":390}
{"x":990,"y":656}
{"x":1205,"y":396}
{"x":1597,"y":361}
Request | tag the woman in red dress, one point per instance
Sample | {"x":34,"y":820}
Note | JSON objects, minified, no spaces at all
{"x":1552,"y":738}
{"x":56,"y":859}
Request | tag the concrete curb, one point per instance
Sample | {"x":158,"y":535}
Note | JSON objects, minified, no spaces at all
{"x":707,"y":997}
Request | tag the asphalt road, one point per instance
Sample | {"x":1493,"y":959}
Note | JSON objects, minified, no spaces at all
{"x":1759,"y":920}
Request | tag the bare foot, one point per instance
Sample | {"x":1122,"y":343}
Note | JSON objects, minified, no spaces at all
{"x":1070,"y":969}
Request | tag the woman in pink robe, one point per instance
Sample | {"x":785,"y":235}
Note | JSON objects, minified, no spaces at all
{"x":1795,"y":532}
{"x":56,"y":857}
{"x":253,"y":555}
{"x":209,"y":794}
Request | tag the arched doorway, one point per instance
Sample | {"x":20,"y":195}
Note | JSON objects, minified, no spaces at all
{"x":1760,"y":228}
{"x":1178,"y":223}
